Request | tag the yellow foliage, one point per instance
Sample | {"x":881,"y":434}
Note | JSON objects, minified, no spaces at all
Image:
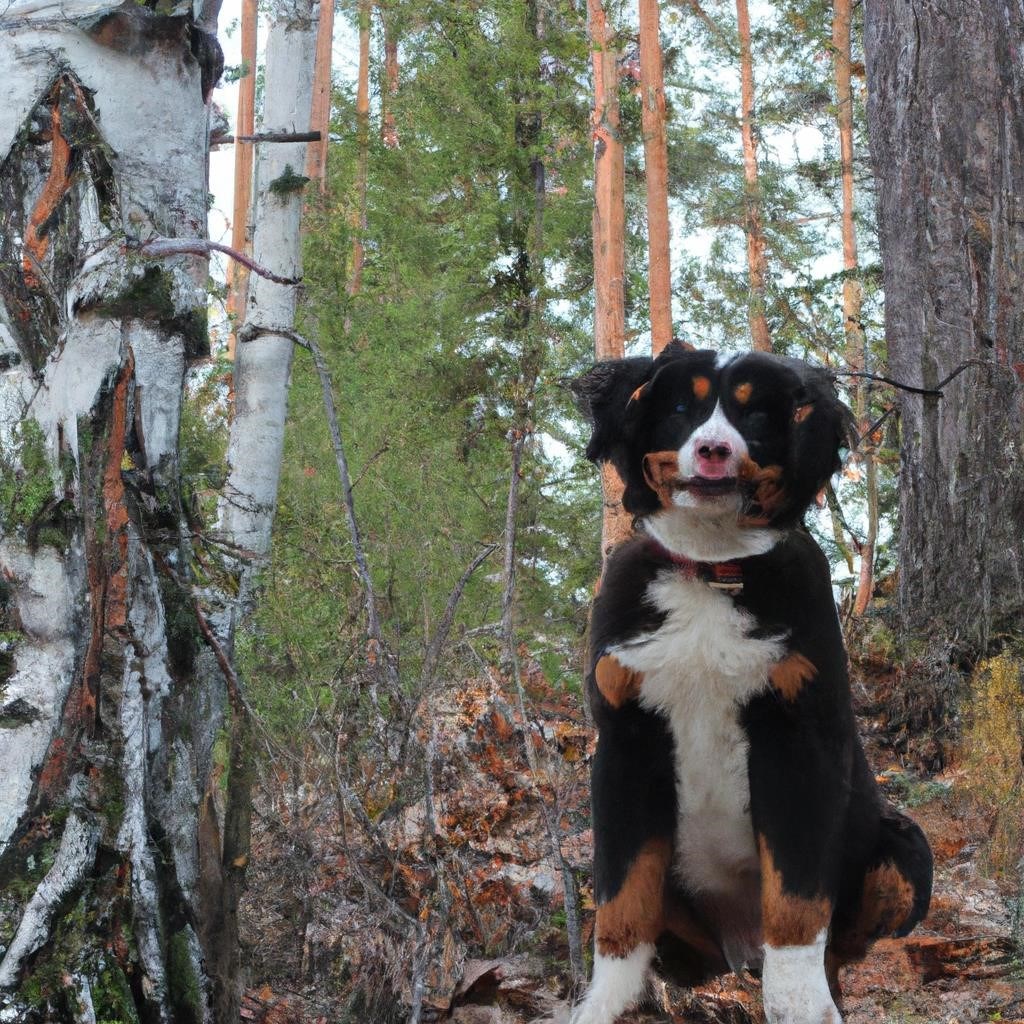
{"x":994,"y":743}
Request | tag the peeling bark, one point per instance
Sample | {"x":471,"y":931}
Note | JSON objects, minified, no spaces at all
{"x":946,"y":124}
{"x":103,"y":138}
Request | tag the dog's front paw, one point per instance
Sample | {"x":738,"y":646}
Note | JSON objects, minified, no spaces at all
{"x":795,"y":988}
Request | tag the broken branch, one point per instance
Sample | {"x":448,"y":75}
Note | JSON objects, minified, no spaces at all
{"x":159,"y":248}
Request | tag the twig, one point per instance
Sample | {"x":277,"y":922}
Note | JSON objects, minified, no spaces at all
{"x":158,"y":248}
{"x":444,"y":626}
{"x":710,"y":24}
{"x":249,"y":333}
{"x":271,"y":137}
{"x":935,"y":392}
{"x":238,"y":702}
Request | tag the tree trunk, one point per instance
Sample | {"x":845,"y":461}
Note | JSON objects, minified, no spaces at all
{"x":853,"y":327}
{"x":946,"y":122}
{"x":242,"y":205}
{"x":388,"y":127}
{"x":760,"y":335}
{"x":355,"y":282}
{"x":320,"y":116}
{"x":264,"y":360}
{"x":107,"y":721}
{"x":652,"y":87}
{"x":609,"y":239}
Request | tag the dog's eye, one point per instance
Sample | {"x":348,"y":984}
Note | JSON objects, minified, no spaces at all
{"x":681,"y":407}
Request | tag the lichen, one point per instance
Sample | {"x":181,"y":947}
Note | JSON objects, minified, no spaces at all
{"x":287,"y":183}
{"x":994,"y":739}
{"x":183,"y":981}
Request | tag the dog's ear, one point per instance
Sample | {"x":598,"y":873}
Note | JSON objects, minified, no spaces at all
{"x":821,"y":428}
{"x":603,"y":394}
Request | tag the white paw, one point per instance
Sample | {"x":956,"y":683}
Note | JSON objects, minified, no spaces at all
{"x":794,"y":985}
{"x":618,"y":983}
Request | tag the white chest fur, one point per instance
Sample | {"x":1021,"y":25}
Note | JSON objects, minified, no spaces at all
{"x":699,"y":668}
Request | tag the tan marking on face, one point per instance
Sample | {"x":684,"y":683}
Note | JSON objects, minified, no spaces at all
{"x":616,"y":682}
{"x":636,"y":913}
{"x":742,"y":393}
{"x":638,"y":394}
{"x":886,"y":902}
{"x":789,"y":675}
{"x":701,"y":387}
{"x":788,"y":920}
{"x":661,"y":471}
{"x":802,"y":412}
{"x":768,"y":492}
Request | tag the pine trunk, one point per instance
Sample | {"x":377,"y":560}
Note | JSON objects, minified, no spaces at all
{"x":760,"y":335}
{"x":108,"y":710}
{"x":856,"y":340}
{"x":355,"y":282}
{"x":946,"y":122}
{"x":652,"y":86}
{"x":388,"y":126}
{"x":320,"y":114}
{"x":609,"y":240}
{"x":242,"y":205}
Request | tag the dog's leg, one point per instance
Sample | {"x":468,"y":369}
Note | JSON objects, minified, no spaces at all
{"x":618,"y":982}
{"x":633,"y":791}
{"x":627,"y":927}
{"x":892,"y":894}
{"x":799,"y":795}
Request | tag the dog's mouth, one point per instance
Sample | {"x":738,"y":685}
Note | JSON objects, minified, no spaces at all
{"x":707,"y":487}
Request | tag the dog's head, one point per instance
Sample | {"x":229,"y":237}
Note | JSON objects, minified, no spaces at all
{"x":756,"y":435}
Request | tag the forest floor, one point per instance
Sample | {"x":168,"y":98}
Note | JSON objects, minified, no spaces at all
{"x":463,"y":881}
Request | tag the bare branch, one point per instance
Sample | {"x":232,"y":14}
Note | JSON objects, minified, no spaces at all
{"x":223,"y":140}
{"x":159,"y":248}
{"x":445,"y":625}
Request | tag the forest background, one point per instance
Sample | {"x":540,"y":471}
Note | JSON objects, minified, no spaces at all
{"x":417,"y":742}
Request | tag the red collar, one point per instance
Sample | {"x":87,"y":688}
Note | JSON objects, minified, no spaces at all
{"x":724,"y":576}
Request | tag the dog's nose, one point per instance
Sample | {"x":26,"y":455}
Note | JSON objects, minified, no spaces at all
{"x":713,"y":458}
{"x":714,"y":451}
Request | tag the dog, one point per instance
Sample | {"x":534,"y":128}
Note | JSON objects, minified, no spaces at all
{"x":737,"y":825}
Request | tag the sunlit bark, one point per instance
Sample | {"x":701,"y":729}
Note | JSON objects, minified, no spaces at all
{"x":760,"y":334}
{"x":652,"y":88}
{"x":609,"y":234}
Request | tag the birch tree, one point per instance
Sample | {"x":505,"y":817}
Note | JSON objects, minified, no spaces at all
{"x":108,"y":705}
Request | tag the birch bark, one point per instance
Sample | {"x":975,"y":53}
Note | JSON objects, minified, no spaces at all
{"x":263,"y":366}
{"x":107,"y":724}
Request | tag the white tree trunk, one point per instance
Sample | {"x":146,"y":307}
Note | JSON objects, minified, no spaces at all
{"x":263,"y":362}
{"x":106,"y":718}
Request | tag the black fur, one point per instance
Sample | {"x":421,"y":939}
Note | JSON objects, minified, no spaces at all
{"x":814,"y":802}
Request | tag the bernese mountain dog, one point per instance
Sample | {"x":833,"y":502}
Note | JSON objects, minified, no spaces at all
{"x":737,"y":825}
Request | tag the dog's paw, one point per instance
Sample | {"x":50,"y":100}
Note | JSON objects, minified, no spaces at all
{"x":794,"y":986}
